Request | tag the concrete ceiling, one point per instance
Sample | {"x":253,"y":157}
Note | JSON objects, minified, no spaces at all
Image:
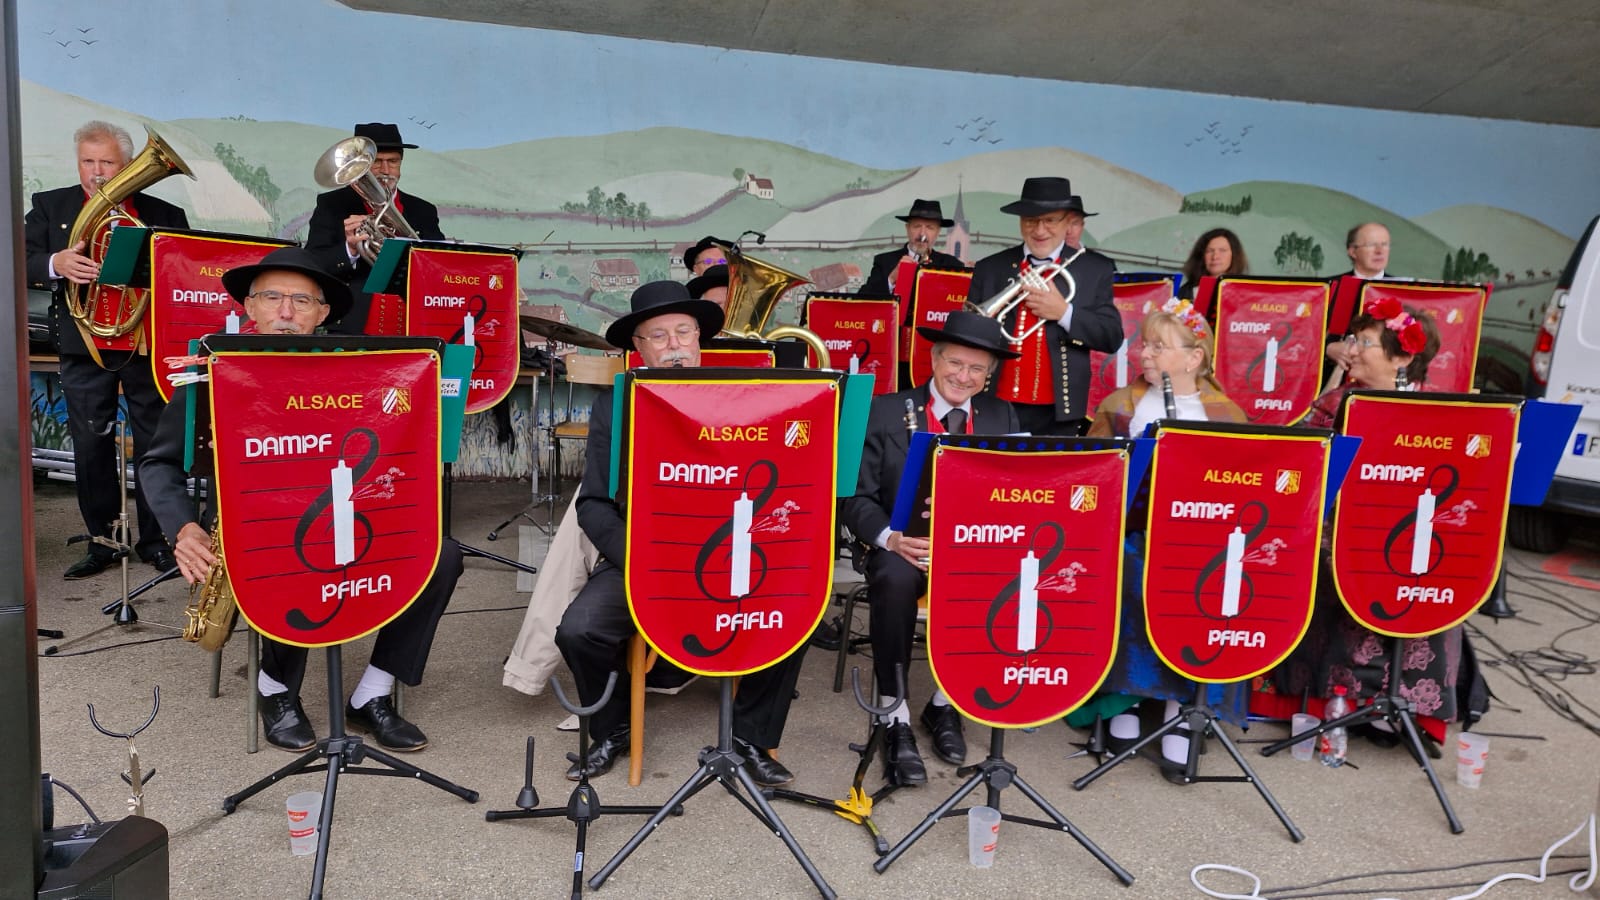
{"x":1528,"y":60}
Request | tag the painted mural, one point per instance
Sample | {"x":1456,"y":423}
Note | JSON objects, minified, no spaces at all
{"x":603,"y":158}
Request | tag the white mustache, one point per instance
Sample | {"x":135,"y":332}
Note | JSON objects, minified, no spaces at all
{"x":675,"y":358}
{"x":281,"y":326}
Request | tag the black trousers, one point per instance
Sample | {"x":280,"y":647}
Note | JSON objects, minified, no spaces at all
{"x":593,"y":638}
{"x":91,"y":394}
{"x":893,"y":588}
{"x":403,"y":644}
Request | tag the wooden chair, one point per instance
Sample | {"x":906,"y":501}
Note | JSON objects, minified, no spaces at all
{"x":589,"y":369}
{"x":641,"y":657}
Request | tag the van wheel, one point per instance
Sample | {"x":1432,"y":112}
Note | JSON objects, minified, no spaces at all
{"x":1535,"y":529}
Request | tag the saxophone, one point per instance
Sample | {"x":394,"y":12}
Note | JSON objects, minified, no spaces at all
{"x":211,"y":611}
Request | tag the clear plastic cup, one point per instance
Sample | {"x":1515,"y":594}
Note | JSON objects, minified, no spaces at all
{"x":1300,"y":724}
{"x":983,"y":831}
{"x":305,"y":812}
{"x":1472,"y":752}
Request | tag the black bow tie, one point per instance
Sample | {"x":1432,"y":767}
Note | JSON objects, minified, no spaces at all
{"x":1041,"y":260}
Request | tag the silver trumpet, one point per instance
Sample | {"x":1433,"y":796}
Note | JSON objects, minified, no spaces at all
{"x":1011,"y":296}
{"x":349,"y":164}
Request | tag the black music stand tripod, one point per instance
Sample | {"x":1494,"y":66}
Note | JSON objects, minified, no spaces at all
{"x":997,"y":774}
{"x":468,"y":549}
{"x":1397,"y":711}
{"x":583,"y":806}
{"x":344,"y":753}
{"x":551,"y":495}
{"x":720,"y":764}
{"x":857,"y":808}
{"x":1201,"y":722}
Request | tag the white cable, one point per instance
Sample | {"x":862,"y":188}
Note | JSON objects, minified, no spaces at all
{"x":1194,"y":878}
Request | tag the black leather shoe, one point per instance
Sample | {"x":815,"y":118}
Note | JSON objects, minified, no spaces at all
{"x":828,"y":634}
{"x":284,"y":721}
{"x":1173,"y":771}
{"x":902,"y":763}
{"x":378,"y":717}
{"x":767,"y":771}
{"x":944,"y":723}
{"x":161,"y":559}
{"x":92,"y":564}
{"x":602,"y":754}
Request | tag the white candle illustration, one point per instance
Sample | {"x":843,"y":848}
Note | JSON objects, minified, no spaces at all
{"x":739,"y":579}
{"x":1422,"y":539}
{"x":1122,"y":364}
{"x":344,"y":516}
{"x":855,"y":365}
{"x":1232,"y":573}
{"x":231,"y":325}
{"x":1028,"y":608}
{"x":1269,"y":379}
{"x":467,"y":336}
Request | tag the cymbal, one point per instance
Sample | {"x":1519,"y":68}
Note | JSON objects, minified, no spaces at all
{"x":563,"y":333}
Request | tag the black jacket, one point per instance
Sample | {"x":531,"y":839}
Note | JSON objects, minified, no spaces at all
{"x":325,"y":239}
{"x":884,"y":264}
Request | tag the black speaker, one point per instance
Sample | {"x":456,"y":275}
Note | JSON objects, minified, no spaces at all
{"x":126,"y":859}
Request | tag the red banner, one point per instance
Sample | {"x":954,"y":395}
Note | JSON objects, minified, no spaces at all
{"x":328,"y":497}
{"x":1133,"y":299}
{"x":1270,"y":337}
{"x":730,"y":517}
{"x":1420,"y":524}
{"x":861,"y":336}
{"x":1456,"y":310}
{"x":1024,"y":580}
{"x":469,"y":297}
{"x":187,"y":300}
{"x":1232,"y":546}
{"x":939,"y":293}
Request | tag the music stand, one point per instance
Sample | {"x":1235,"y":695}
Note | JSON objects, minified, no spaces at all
{"x":583,"y":805}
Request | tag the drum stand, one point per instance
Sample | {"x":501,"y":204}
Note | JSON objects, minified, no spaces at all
{"x":997,"y":774}
{"x":1396,"y":710}
{"x":550,"y":496}
{"x":857,"y":808}
{"x":344,"y":753}
{"x":468,"y":549}
{"x":720,"y":764}
{"x":584,"y":805}
{"x":1201,"y":722}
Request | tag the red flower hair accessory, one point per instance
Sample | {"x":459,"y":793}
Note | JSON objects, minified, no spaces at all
{"x":1394,"y":317}
{"x":1187,"y":314}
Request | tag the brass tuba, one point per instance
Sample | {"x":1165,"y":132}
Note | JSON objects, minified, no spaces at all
{"x":349,"y":164}
{"x":754,"y":287}
{"x":93,"y":226}
{"x":212,"y":608}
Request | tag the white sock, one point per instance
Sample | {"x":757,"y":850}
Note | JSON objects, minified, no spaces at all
{"x":375,"y":682}
{"x":1175,"y":745}
{"x":268,"y":685}
{"x":939,"y":699}
{"x":901,"y":713}
{"x":1124,"y":727}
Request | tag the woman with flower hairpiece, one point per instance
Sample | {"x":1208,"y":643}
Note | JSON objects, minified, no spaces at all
{"x":1385,"y":339}
{"x":1176,"y":341}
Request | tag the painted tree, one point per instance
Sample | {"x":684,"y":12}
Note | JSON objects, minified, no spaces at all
{"x":1466,"y":266}
{"x":1298,"y":254}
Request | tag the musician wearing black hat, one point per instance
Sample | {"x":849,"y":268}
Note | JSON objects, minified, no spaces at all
{"x":923,"y":222}
{"x":707,"y":252}
{"x":668,"y":328}
{"x":289,"y":292}
{"x":1049,"y":383}
{"x":336,"y":234}
{"x":966,"y":353}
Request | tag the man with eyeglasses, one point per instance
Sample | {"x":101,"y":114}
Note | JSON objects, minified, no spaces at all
{"x":1367,"y":245}
{"x":668,"y":328}
{"x":1049,"y":383}
{"x":965,"y":353}
{"x":289,"y":292}
{"x":924,"y":220}
{"x":335,"y":234}
{"x":91,"y":389}
{"x":707,"y":252}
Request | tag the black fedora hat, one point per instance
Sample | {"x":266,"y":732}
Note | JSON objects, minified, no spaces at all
{"x":658,"y":298}
{"x":385,"y":135}
{"x":927,"y":209}
{"x":705,"y":243}
{"x":970,"y":329}
{"x":714,"y":277}
{"x":292,"y":259}
{"x":1042,"y":196}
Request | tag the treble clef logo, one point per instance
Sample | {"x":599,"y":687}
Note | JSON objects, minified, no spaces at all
{"x":321,"y":505}
{"x":1203,"y":586}
{"x":1010,"y":595}
{"x":1424,"y":552}
{"x":1269,"y":379}
{"x":478,"y":312}
{"x":723,"y":536}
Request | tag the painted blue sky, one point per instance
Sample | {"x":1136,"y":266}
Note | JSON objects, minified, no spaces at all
{"x":311,"y":61}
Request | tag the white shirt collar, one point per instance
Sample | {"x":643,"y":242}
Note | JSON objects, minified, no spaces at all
{"x":940,"y":406}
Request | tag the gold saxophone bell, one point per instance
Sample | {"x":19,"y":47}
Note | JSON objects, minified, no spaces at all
{"x":349,"y":164}
{"x":212,"y":608}
{"x":99,"y":215}
{"x":754,"y":287}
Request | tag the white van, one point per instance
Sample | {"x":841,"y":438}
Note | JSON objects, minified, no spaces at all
{"x":1565,"y":367}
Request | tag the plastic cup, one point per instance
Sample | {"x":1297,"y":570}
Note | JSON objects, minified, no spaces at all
{"x":1300,"y":724}
{"x":1472,"y":751}
{"x":305,"y":812}
{"x":983,"y":831}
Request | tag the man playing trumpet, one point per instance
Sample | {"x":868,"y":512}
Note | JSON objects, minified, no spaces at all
{"x":923,"y":221}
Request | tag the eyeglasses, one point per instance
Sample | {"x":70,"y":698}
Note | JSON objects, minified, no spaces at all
{"x":683,"y":334}
{"x":708,"y":261}
{"x":1156,"y":348}
{"x":1357,"y":342}
{"x":955,"y":367}
{"x":1372,"y":245}
{"x":301,"y":302}
{"x":1052,"y":221}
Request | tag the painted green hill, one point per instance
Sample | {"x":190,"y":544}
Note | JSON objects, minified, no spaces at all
{"x":1514,"y":242}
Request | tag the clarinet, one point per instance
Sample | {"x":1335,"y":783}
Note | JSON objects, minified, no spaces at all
{"x":1167,"y":396}
{"x":911,"y":416}
{"x":1402,"y":382}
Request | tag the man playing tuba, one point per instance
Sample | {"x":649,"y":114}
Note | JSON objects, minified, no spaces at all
{"x":103,"y":150}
